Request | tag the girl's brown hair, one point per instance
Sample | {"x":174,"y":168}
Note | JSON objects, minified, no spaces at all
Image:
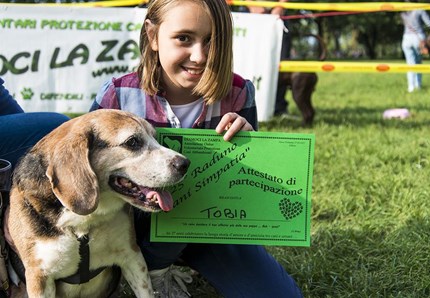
{"x":217,"y":78}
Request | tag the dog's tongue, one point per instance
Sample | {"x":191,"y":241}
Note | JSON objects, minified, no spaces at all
{"x":164,"y":198}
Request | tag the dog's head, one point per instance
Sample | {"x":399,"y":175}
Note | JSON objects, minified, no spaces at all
{"x":110,"y":153}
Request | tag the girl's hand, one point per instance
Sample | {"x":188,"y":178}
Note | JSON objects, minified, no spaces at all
{"x":232,"y":123}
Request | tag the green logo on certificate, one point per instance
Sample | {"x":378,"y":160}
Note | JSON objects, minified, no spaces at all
{"x":173,"y":142}
{"x":255,"y":189}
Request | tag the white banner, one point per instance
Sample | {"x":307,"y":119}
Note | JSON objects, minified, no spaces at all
{"x":57,"y":58}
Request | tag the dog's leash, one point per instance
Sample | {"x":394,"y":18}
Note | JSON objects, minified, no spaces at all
{"x":84,"y":274}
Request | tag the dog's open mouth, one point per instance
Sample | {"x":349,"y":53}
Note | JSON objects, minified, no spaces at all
{"x":153,"y":199}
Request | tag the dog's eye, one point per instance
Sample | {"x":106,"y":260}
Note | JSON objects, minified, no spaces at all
{"x":133,"y":143}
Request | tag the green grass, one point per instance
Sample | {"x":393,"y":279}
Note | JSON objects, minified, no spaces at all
{"x":370,"y":201}
{"x":371,"y":192}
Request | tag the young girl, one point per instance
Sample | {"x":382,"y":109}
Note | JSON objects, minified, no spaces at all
{"x":185,"y":79}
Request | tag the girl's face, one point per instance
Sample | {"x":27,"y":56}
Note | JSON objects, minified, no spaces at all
{"x":182,"y":45}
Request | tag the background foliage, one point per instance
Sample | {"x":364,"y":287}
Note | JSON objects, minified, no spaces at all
{"x":374,"y":35}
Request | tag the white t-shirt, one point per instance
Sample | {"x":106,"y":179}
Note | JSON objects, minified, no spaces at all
{"x":188,"y":113}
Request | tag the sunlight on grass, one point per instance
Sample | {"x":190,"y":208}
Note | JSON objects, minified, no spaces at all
{"x":370,"y":202}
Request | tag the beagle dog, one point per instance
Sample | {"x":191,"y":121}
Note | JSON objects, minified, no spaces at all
{"x":70,"y":205}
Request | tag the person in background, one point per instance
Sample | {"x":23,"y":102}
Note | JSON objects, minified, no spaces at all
{"x":413,"y":34}
{"x":281,"y":104}
{"x":185,"y":80}
{"x":19,"y":131}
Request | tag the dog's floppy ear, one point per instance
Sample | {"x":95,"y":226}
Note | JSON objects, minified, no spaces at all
{"x":73,"y":181}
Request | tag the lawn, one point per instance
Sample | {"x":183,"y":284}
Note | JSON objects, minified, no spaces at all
{"x":371,"y":192}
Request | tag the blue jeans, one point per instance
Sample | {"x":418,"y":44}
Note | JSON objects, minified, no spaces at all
{"x":247,"y":271}
{"x":19,"y":132}
{"x":411,"y":50}
{"x":234,"y":270}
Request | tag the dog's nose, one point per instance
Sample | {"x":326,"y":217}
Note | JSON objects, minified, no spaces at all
{"x":181,"y":164}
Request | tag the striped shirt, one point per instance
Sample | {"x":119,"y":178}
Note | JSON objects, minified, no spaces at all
{"x":124,"y":93}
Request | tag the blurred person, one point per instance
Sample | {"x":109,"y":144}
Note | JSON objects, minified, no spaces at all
{"x":413,"y":35}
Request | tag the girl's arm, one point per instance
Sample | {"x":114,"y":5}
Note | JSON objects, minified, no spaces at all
{"x":426,"y":19}
{"x":106,"y":97}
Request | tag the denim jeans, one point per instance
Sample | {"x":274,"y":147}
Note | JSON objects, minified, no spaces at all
{"x":235,"y":271}
{"x":19,"y":132}
{"x":411,"y":50}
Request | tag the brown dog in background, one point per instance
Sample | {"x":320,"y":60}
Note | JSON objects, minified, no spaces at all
{"x":302,"y":85}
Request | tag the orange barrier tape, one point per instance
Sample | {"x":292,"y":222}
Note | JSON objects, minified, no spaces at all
{"x":328,"y":66}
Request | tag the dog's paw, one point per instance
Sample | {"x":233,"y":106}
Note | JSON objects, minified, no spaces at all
{"x":290,"y":209}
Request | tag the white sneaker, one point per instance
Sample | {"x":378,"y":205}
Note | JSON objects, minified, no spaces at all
{"x":410,"y":89}
{"x":170,"y":282}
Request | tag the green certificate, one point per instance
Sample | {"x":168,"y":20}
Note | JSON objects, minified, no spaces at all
{"x":255,"y":189}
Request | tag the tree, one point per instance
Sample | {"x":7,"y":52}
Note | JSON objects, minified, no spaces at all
{"x":378,"y":33}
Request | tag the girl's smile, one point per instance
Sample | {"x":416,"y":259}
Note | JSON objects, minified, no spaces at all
{"x":194,"y":71}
